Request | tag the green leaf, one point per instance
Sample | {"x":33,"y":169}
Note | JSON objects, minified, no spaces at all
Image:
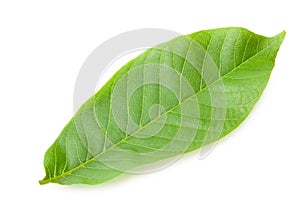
{"x":172,"y":99}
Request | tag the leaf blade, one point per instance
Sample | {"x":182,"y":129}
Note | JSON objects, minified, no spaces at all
{"x":70,"y":168}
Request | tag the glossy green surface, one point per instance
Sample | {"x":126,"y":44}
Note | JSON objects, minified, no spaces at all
{"x":170,"y":100}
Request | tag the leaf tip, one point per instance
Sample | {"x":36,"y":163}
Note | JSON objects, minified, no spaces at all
{"x":282,"y":34}
{"x":280,"y":37}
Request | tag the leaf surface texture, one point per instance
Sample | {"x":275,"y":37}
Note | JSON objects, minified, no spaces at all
{"x":172,"y":99}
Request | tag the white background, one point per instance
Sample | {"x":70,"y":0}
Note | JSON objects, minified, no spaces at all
{"x":42,"y":47}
